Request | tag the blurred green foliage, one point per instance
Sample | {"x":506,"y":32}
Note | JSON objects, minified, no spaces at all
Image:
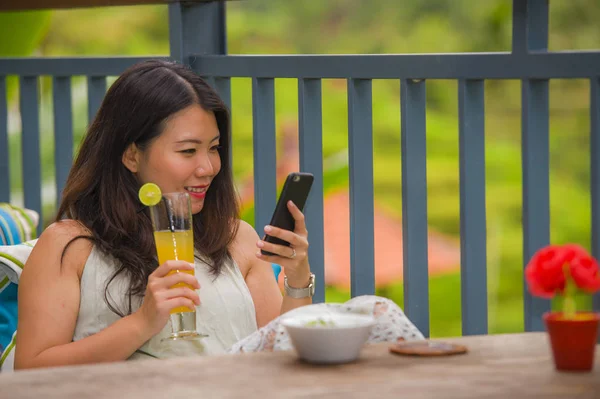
{"x":385,"y":26}
{"x":22,"y":33}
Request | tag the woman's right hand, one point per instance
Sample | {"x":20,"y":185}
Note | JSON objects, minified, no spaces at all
{"x":160,"y":298}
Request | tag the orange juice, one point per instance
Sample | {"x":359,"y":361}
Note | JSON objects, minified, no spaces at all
{"x":177,"y":245}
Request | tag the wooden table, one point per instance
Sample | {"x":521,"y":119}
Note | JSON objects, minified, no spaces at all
{"x":497,"y":366}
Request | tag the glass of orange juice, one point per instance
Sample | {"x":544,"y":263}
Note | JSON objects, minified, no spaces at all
{"x":173,"y":235}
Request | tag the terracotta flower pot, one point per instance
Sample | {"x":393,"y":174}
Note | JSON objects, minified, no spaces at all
{"x":573,"y":341}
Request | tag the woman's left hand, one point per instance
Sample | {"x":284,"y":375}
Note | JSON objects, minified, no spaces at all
{"x":293,"y":258}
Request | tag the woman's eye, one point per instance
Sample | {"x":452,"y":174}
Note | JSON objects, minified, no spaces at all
{"x":188,"y":151}
{"x":215,"y":148}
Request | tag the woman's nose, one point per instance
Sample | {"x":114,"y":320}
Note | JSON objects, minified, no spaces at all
{"x":205,"y":167}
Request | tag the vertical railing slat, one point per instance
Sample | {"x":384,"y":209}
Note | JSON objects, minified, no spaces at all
{"x":414,"y":203}
{"x":472,"y":207}
{"x":310,"y":116}
{"x":595,"y":172}
{"x":96,"y":91}
{"x":536,"y":188}
{"x":535,"y":150}
{"x":537,"y":24}
{"x":4,"y":159}
{"x":176,"y":34}
{"x":360,"y":143}
{"x":30,"y":122}
{"x":223,"y":87}
{"x":63,"y":131}
{"x":196,"y":28}
{"x":265,"y":166}
{"x":211,"y":81}
{"x":519,"y":27}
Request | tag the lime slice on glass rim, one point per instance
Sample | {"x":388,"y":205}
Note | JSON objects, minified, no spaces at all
{"x":150,"y":194}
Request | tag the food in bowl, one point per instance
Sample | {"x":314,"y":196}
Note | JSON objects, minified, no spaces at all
{"x":320,"y":323}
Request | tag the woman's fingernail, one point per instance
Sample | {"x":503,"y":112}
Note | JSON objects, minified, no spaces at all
{"x":258,"y":254}
{"x":268,"y":229}
{"x":260,"y":244}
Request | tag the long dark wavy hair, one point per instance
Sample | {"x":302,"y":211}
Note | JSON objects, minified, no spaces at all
{"x":102,"y":194}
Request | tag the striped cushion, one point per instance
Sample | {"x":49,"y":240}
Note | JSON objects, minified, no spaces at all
{"x":17,"y":226}
{"x":12,"y":259}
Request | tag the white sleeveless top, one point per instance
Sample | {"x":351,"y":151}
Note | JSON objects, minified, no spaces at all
{"x":226,"y":312}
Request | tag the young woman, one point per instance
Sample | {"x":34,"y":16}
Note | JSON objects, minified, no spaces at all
{"x":92,"y":291}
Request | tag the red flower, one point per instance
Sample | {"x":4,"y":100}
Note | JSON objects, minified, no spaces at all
{"x":584,"y":269}
{"x":544,"y":273}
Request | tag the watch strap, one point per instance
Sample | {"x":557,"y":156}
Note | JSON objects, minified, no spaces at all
{"x":298,"y":293}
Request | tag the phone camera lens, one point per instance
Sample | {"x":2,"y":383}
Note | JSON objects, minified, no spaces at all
{"x":296,"y":178}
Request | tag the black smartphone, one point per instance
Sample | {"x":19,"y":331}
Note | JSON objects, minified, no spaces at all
{"x":296,"y":189}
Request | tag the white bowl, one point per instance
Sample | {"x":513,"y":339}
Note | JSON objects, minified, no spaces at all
{"x":328,"y":337}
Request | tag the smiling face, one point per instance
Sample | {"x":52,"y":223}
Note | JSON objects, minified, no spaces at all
{"x":184,"y":157}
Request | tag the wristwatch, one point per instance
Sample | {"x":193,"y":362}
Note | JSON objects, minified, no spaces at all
{"x":298,"y":293}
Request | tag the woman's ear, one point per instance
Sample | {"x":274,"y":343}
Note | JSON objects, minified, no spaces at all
{"x":131,"y":158}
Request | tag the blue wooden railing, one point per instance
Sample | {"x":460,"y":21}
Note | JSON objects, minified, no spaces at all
{"x":197,"y":37}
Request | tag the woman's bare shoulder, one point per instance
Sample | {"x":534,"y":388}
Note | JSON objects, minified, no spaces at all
{"x":65,"y":242}
{"x":244,"y":247}
{"x":67,"y":228}
{"x":246,"y":231}
{"x":61,"y":233}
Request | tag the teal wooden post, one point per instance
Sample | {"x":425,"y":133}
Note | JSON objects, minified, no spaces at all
{"x":530,"y":33}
